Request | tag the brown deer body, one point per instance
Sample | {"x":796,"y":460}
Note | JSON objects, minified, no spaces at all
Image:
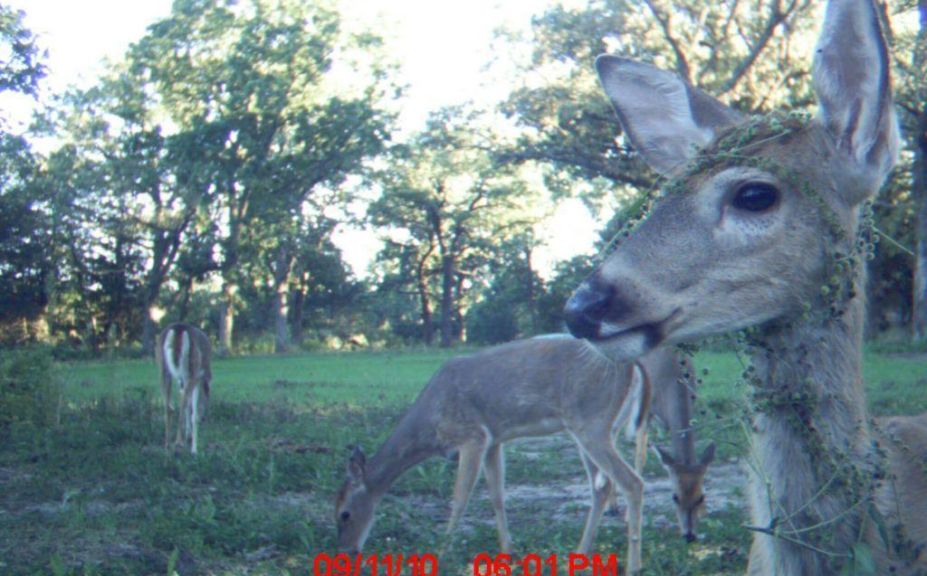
{"x":759,"y":228}
{"x":475,"y":403}
{"x":183,"y":355}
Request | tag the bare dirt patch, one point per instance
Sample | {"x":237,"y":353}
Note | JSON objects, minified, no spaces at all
{"x":568,"y":501}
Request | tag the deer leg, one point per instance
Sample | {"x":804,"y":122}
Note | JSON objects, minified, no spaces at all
{"x":640,"y":460}
{"x":494,"y":470}
{"x":612,"y":497}
{"x":183,"y":418}
{"x":640,"y":449}
{"x":611,"y":505}
{"x":194,"y":416}
{"x":603,"y":454}
{"x":166,"y":384}
{"x":469,"y":462}
{"x":602,"y":489}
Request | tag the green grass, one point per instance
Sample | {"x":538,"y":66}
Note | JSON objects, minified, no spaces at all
{"x":96,"y":493}
{"x":360,"y":378}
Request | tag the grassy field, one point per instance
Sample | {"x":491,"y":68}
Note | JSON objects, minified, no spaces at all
{"x":96,"y":493}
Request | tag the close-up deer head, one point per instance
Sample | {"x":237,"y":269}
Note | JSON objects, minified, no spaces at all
{"x":754,"y":211}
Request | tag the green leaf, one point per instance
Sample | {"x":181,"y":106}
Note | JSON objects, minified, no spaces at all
{"x":861,"y":562}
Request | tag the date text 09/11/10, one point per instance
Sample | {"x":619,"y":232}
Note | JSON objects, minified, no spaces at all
{"x":343,"y":564}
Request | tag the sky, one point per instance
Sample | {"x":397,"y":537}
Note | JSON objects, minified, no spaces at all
{"x":443,"y":47}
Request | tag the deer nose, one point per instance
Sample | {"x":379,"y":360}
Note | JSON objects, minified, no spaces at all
{"x":690,"y":537}
{"x":586,"y":308}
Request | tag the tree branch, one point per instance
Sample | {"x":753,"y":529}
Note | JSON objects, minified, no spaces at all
{"x":598,"y":168}
{"x":776,"y":18}
{"x":682,"y":65}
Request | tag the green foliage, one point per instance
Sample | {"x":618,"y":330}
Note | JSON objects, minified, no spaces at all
{"x":234,"y":138}
{"x":218,"y":113}
{"x":450,"y":212}
{"x":508,"y":308}
{"x":25,"y":244}
{"x":22,"y":68}
{"x":568,"y":121}
{"x":29,"y":393}
{"x":567,"y":276}
{"x":492,"y":321}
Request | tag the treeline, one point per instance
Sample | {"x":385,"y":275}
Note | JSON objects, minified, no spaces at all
{"x":204,"y":177}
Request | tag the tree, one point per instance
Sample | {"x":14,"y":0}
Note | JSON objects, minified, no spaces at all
{"x":446,"y":207}
{"x":911,"y":96}
{"x":25,"y":247}
{"x":745,"y":52}
{"x":508,"y":308}
{"x":253,"y":126}
{"x":23,"y":67}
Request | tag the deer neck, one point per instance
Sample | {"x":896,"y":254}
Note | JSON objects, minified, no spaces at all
{"x":812,"y":437}
{"x":413,"y":440}
{"x":681,"y":419}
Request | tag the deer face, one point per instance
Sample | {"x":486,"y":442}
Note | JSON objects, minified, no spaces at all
{"x":354,"y":507}
{"x":734,"y":247}
{"x":688,"y":494}
{"x":755,"y":211}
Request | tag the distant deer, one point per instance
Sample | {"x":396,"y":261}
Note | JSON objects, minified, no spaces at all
{"x":183,"y":354}
{"x":673,"y":378}
{"x":475,"y":403}
{"x":759,"y":228}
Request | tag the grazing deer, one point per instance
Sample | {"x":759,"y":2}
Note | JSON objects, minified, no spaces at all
{"x":673,"y":379}
{"x":475,"y":403}
{"x":759,"y":227}
{"x":183,"y":353}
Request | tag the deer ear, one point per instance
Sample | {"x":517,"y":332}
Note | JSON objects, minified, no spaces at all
{"x":666,"y":119}
{"x":665,"y":456}
{"x":851,"y":79}
{"x":708,"y":456}
{"x":357,"y":466}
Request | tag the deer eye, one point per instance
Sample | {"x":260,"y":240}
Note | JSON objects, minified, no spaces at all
{"x":755,"y":197}
{"x":345,"y":516}
{"x":675,"y":498}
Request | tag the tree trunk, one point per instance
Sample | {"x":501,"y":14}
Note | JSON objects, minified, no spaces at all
{"x":919,"y":187}
{"x":428,"y":326}
{"x":164,"y":253}
{"x":919,"y":192}
{"x":229,"y":269}
{"x":186,"y":293}
{"x":448,"y":270}
{"x":226,"y":318}
{"x":281,"y":309}
{"x":459,"y":331}
{"x":282,"y":265}
{"x":112,"y":341}
{"x":297,"y":300}
{"x":149,"y":328}
{"x":531,"y":293}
